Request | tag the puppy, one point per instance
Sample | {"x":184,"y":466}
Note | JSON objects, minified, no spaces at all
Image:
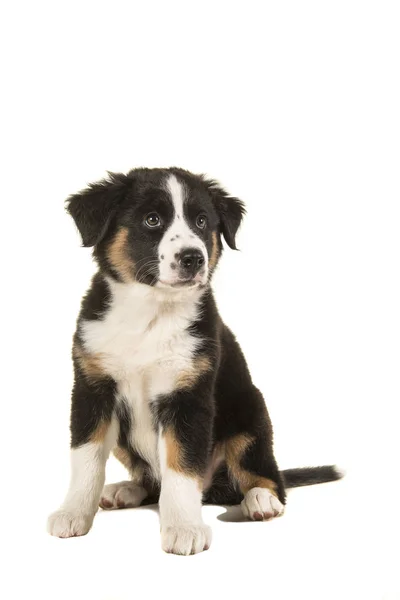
{"x":160,"y":380}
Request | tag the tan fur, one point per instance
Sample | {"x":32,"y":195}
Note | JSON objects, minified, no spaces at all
{"x":100,"y":433}
{"x":118,"y":255}
{"x":123,"y":456}
{"x":90,"y":364}
{"x":214,"y":252}
{"x":135,"y":469}
{"x":187,"y":379}
{"x":216,"y":459}
{"x":174,"y":451}
{"x":175,"y":460}
{"x":234,"y":451}
{"x":253,"y":481}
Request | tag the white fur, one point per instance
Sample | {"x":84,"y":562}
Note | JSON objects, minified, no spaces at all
{"x":182,"y":236}
{"x":182,"y":527}
{"x":341,"y":472}
{"x":260,"y":503}
{"x":144,"y":344}
{"x":124,"y":494}
{"x":76,"y":514}
{"x":185,"y":540}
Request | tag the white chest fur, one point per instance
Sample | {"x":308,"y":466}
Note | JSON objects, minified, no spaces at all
{"x":143,"y":343}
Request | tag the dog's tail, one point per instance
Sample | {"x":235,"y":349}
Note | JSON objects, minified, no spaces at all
{"x":311,"y":475}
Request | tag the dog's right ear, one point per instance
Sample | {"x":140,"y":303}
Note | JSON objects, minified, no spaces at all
{"x":94,"y":208}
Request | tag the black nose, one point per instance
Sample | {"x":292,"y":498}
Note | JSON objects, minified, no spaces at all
{"x":190,"y":260}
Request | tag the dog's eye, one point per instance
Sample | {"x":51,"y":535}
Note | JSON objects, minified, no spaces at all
{"x":153,"y":220}
{"x":201,"y":221}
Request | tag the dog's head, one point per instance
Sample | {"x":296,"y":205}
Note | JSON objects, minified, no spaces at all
{"x":160,"y":227}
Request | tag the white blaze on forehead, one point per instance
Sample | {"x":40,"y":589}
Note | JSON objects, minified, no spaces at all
{"x":177,"y":192}
{"x":179,"y":235}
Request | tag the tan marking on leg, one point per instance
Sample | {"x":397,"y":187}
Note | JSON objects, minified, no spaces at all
{"x":234,"y":451}
{"x":118,"y":255}
{"x":216,"y":459}
{"x":175,"y":458}
{"x":135,"y":469}
{"x":100,"y":432}
{"x":187,"y":379}
{"x":214,"y":251}
{"x":174,"y":452}
{"x":90,"y":364}
{"x":123,"y":456}
{"x":261,"y":482}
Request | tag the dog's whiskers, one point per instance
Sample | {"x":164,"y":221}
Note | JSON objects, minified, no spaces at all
{"x":148,"y":267}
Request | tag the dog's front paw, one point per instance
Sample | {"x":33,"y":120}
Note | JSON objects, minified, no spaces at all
{"x":185,"y":539}
{"x":260,"y":504}
{"x":65,"y":524}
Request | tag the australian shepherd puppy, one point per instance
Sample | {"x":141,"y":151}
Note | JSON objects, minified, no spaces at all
{"x":160,"y":380}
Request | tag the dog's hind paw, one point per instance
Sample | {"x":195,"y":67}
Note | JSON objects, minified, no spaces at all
{"x":260,"y":504}
{"x":124,"y":494}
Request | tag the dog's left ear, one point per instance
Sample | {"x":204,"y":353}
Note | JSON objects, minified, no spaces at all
{"x":230,"y":210}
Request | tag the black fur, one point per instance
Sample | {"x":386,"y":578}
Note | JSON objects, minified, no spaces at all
{"x":230,"y":210}
{"x":94,"y":209}
{"x":91,"y":404}
{"x":310,"y":475}
{"x":190,"y":413}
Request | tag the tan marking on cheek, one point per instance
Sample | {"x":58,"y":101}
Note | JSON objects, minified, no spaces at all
{"x":118,"y":255}
{"x":234,"y":451}
{"x":214,"y":251}
{"x":187,"y":379}
{"x":90,"y":364}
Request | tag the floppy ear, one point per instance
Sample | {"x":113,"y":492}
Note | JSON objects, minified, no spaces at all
{"x":230,"y":211}
{"x":94,"y":208}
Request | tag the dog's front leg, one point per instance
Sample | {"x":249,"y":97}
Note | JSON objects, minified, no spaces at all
{"x":184,"y":442}
{"x":94,"y":432}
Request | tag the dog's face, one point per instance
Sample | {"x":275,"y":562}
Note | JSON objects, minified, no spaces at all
{"x":160,"y":227}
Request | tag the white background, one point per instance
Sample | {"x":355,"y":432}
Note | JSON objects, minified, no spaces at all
{"x":294,"y":107}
